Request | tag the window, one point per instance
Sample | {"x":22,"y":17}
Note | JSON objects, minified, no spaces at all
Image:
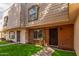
{"x":33,"y":13}
{"x":37,"y":34}
{"x":5,"y":20}
{"x":12,"y":35}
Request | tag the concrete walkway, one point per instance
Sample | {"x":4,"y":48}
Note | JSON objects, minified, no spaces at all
{"x":6,"y":44}
{"x":47,"y":51}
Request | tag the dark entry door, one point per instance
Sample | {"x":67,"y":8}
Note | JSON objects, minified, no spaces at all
{"x":53,"y":34}
{"x":18,"y":36}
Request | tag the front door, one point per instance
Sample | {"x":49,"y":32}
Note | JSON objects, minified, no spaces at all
{"x":53,"y":36}
{"x":18,"y":36}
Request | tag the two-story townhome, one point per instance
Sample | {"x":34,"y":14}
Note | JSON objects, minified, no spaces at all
{"x":48,"y":24}
{"x":12,"y":23}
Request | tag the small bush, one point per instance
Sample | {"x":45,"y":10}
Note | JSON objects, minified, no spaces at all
{"x":2,"y":39}
{"x":10,"y":41}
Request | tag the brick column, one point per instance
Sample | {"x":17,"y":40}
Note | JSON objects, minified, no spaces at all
{"x":46,"y":31}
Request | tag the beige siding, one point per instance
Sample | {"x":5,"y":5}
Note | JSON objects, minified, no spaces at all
{"x":54,"y":13}
{"x":73,"y":11}
{"x":76,"y":36}
{"x":49,"y":14}
{"x":23,"y":14}
{"x":13,"y":14}
{"x":23,"y":36}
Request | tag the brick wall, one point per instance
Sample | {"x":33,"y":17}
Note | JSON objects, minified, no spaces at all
{"x":66,"y":37}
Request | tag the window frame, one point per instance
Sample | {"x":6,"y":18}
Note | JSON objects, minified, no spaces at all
{"x":10,"y":34}
{"x":37,"y":11}
{"x":5,"y":20}
{"x":38,"y":38}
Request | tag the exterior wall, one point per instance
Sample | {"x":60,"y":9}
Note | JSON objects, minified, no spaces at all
{"x":23,"y":14}
{"x":76,"y":36}
{"x":8,"y":37}
{"x":48,"y":14}
{"x":66,"y":37}
{"x":35,"y":41}
{"x":13,"y":14}
{"x":54,"y":13}
{"x":73,"y":11}
{"x":27,"y":36}
{"x":23,"y":34}
{"x":46,"y":31}
{"x":2,"y":35}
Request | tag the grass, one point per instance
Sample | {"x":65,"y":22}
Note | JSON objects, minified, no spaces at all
{"x":63,"y":53}
{"x":3,"y":42}
{"x":19,"y":50}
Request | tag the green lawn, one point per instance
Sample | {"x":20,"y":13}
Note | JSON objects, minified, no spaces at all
{"x":19,"y":50}
{"x":63,"y":53}
{"x":3,"y":42}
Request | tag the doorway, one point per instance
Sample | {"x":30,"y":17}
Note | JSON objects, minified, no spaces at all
{"x":53,"y":36}
{"x":18,"y":36}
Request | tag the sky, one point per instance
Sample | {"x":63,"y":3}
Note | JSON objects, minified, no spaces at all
{"x":3,"y":7}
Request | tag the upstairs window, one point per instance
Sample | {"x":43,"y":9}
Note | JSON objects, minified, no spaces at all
{"x":5,"y":20}
{"x":33,"y":13}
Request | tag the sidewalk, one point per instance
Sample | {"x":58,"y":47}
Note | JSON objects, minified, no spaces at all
{"x":7,"y":44}
{"x":47,"y":51}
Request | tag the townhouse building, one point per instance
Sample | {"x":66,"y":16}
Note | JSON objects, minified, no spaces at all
{"x":48,"y":24}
